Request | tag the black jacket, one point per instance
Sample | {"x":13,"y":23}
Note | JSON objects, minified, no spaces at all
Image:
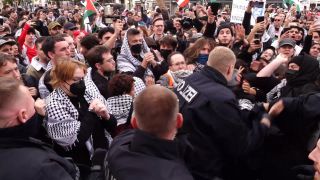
{"x":23,"y":157}
{"x":214,"y":125}
{"x":297,"y":135}
{"x":101,"y":83}
{"x":137,"y":155}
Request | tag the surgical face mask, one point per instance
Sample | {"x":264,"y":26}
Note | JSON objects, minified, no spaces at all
{"x":202,"y":59}
{"x":78,"y":88}
{"x":136,"y":49}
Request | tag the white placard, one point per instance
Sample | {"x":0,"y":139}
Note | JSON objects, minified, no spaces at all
{"x":238,"y":9}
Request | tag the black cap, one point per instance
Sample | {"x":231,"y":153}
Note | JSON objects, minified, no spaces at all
{"x":69,"y":26}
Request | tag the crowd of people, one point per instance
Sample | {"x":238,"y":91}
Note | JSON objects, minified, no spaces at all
{"x":159,"y":95}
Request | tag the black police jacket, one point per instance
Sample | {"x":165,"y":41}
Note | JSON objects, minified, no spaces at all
{"x":135,"y":154}
{"x":214,"y":125}
{"x":24,"y":157}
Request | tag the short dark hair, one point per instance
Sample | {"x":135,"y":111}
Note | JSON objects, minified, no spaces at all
{"x":49,"y":42}
{"x":89,"y":41}
{"x":168,"y":41}
{"x":120,"y":84}
{"x":157,"y":19}
{"x":31,"y":31}
{"x":95,"y":54}
{"x":105,"y":30}
{"x":4,"y":58}
{"x":40,"y":40}
{"x":133,"y":32}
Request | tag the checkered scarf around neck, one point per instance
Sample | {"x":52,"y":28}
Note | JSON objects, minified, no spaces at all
{"x":139,"y":86}
{"x":62,"y":117}
{"x":179,"y":76}
{"x":120,"y":107}
{"x":126,"y":59}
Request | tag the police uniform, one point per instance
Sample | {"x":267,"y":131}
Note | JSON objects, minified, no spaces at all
{"x":214,"y":126}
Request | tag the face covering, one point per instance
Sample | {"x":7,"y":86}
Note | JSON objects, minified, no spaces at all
{"x":136,"y":49}
{"x":78,"y":88}
{"x":291,"y":74}
{"x":203,"y":58}
{"x":165,"y":53}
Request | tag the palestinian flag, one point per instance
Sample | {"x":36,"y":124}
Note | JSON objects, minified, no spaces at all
{"x":90,"y":10}
{"x":291,"y":3}
{"x":182,"y":3}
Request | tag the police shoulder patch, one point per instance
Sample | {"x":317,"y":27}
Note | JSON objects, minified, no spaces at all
{"x":187,"y":91}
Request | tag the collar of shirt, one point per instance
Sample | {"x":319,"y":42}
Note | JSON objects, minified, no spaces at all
{"x":38,"y":65}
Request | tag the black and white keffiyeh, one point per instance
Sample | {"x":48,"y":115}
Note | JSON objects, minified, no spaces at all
{"x":179,"y":76}
{"x":120,"y":107}
{"x":275,"y":93}
{"x":126,"y":62}
{"x":62,"y":117}
{"x":139,"y":86}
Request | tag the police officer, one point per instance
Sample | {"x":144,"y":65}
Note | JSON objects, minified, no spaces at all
{"x":214,"y":125}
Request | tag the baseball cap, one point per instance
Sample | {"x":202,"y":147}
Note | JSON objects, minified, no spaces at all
{"x":53,"y":25}
{"x":70,"y":26}
{"x":3,"y":42}
{"x":287,"y":41}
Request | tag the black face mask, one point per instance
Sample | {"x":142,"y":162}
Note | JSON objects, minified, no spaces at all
{"x":78,"y":88}
{"x":165,"y":53}
{"x":136,"y":49}
{"x":291,"y":74}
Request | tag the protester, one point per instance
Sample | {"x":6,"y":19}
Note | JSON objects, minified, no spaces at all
{"x":270,"y":57}
{"x":9,"y":68}
{"x":39,"y":63}
{"x":76,"y":115}
{"x":177,"y":71}
{"x":120,"y":102}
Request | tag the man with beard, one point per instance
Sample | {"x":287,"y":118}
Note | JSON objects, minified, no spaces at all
{"x":225,"y":35}
{"x":136,"y":59}
{"x":102,"y":63}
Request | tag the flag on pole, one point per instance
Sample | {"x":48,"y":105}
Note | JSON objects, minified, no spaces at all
{"x":293,"y":2}
{"x":90,"y":10}
{"x":182,"y":3}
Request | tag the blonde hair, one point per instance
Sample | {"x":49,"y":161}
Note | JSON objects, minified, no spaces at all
{"x":220,"y":58}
